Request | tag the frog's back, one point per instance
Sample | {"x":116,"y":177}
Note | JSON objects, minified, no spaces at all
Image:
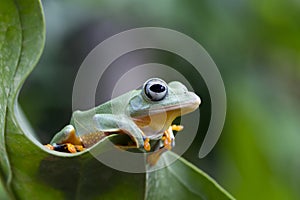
{"x":83,"y":120}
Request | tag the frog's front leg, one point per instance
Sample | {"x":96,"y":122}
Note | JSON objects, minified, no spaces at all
{"x":115,"y":123}
{"x":169,"y":138}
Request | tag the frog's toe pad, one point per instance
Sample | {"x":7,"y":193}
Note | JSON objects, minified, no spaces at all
{"x":177,"y":127}
{"x":147,"y":145}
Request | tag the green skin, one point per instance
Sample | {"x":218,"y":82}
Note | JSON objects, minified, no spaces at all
{"x":134,"y":114}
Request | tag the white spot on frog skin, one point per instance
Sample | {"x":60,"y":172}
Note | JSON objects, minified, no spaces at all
{"x":7,"y":68}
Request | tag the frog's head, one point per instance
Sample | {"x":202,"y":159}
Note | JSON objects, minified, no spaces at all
{"x":157,"y":104}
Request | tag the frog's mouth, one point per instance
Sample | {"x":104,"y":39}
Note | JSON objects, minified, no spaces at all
{"x":181,"y":109}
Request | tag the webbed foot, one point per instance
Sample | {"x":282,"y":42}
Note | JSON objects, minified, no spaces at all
{"x":66,"y":147}
{"x":168,"y":139}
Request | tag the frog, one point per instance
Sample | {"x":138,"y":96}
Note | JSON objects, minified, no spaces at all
{"x":144,"y":114}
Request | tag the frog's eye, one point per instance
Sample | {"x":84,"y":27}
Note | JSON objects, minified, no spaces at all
{"x":155,"y":89}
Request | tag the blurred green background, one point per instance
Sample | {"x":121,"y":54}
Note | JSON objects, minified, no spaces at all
{"x":256,"y":46}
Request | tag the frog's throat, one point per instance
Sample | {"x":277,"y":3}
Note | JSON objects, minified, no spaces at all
{"x":153,"y":126}
{"x":161,"y":117}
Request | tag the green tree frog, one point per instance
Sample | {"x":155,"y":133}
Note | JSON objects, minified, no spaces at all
{"x":145,"y":115}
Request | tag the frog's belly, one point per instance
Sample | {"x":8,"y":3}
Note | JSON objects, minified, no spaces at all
{"x":151,"y":133}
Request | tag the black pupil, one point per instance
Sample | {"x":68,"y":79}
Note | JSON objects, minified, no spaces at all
{"x":157,"y":88}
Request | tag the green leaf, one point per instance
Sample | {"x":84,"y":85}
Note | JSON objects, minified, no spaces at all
{"x":21,"y":43}
{"x":28,"y":170}
{"x":181,"y":180}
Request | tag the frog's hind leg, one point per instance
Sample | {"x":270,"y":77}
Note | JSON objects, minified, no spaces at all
{"x":66,"y":141}
{"x":66,"y":135}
